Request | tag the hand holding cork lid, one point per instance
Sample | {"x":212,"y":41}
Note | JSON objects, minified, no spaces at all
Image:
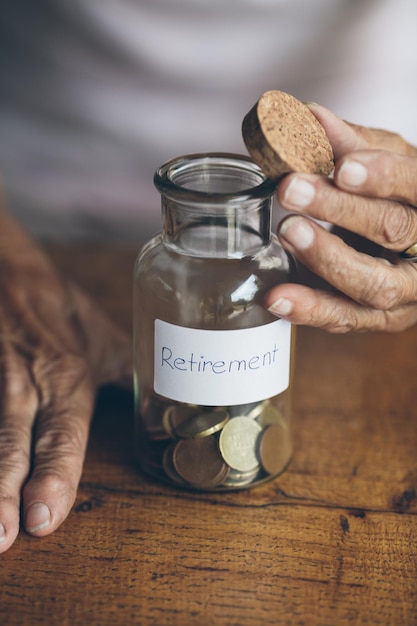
{"x":282,"y":135}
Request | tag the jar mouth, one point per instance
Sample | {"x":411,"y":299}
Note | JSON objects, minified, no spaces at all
{"x":220,"y":176}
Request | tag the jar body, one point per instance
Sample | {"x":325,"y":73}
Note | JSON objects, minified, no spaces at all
{"x":208,"y":355}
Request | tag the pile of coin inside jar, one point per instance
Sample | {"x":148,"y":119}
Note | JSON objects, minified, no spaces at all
{"x":210,"y":448}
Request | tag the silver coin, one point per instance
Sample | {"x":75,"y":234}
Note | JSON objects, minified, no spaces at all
{"x":237,"y":479}
{"x":238,"y":443}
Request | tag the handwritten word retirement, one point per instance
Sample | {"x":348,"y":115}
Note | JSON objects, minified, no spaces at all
{"x":199,"y":364}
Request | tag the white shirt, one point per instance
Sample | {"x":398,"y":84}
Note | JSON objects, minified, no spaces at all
{"x":98,"y":93}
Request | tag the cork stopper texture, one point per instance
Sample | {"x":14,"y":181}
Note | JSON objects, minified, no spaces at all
{"x":282,"y":135}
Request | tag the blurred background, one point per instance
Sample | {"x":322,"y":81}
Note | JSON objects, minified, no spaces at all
{"x":96,"y":94}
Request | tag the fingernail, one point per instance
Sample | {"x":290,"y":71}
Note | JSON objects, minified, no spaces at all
{"x":297,"y":231}
{"x":2,"y":533}
{"x":282,"y":307}
{"x":38,"y":517}
{"x":299,"y":193}
{"x":352,"y":173}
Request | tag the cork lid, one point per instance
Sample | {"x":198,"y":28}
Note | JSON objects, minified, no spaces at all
{"x":282,"y":135}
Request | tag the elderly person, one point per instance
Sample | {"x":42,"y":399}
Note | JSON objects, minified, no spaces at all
{"x":94,"y":100}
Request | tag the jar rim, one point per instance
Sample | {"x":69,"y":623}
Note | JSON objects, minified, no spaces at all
{"x":164,"y":178}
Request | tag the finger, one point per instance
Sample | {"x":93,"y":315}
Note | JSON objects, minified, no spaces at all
{"x":19,"y":402}
{"x":383,"y":221}
{"x":379,"y":174}
{"x":346,"y":137}
{"x":60,"y":442}
{"x":108,"y":349}
{"x":334,"y":312}
{"x":369,"y":281}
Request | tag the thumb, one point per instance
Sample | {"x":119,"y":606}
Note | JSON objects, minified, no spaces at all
{"x":107,"y":348}
{"x":346,"y":137}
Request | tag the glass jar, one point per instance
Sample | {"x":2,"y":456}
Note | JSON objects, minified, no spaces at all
{"x":212,"y":365}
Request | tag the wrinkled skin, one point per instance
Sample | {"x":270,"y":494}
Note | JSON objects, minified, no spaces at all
{"x":56,"y":349}
{"x":373,"y":194}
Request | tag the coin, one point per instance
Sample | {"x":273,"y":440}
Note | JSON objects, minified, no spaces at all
{"x":152,"y":408}
{"x":168,"y":465}
{"x":237,"y":479}
{"x":270,"y":415}
{"x":203,"y":424}
{"x":238,"y":443}
{"x":175,"y":414}
{"x":199,"y":463}
{"x":252,"y":410}
{"x":274,"y":448}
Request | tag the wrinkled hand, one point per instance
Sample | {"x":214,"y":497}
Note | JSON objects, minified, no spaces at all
{"x":56,"y":348}
{"x":373,"y":195}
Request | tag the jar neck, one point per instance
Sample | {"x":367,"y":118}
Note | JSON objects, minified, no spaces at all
{"x":215,"y":205}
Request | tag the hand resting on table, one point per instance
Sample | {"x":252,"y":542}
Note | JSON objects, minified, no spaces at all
{"x":56,"y":349}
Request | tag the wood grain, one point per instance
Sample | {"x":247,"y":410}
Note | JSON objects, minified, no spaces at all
{"x":330,"y":542}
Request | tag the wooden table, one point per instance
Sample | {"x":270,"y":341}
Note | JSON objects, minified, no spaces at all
{"x":333,"y":541}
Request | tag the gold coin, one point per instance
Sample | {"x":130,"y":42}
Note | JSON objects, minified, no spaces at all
{"x":175,"y":414}
{"x":168,"y":465}
{"x":271,"y":415}
{"x":274,"y":449}
{"x":199,"y":463}
{"x":253,"y":409}
{"x":203,"y":424}
{"x":238,"y":443}
{"x":151,"y":411}
{"x":258,"y":409}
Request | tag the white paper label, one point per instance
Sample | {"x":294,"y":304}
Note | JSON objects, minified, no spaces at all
{"x":221,"y":367}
